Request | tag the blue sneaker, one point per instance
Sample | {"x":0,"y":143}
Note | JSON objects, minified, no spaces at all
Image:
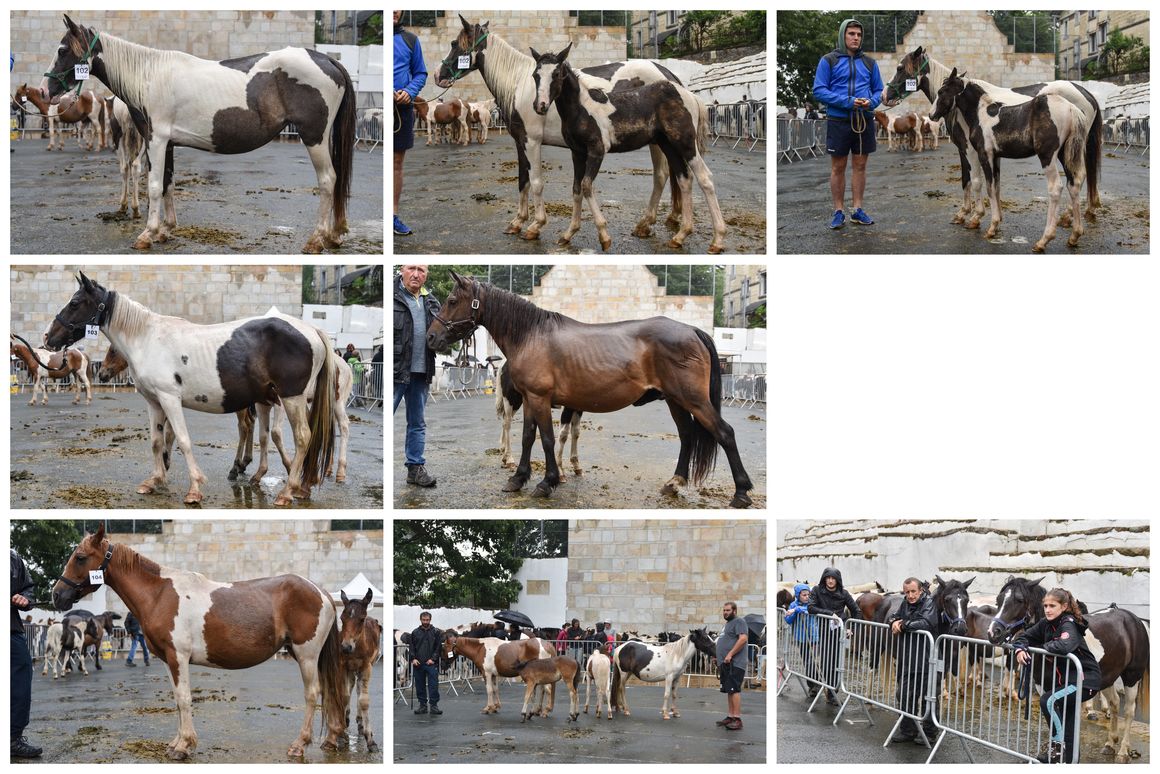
{"x":838,"y":220}
{"x":861,"y":218}
{"x":401,"y":228}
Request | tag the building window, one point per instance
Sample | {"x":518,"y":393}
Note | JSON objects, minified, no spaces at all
{"x":639,"y":42}
{"x":421,"y":18}
{"x":322,"y":286}
{"x":1092,"y":14}
{"x":1092,"y":43}
{"x":729,"y":312}
{"x":673,"y":18}
{"x":539,"y":588}
{"x":1065,"y":26}
{"x":1103,"y":33}
{"x":761,"y":284}
{"x":1077,"y":52}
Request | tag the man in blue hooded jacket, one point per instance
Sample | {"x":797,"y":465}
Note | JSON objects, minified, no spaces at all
{"x":410,"y":75}
{"x":849,"y":85}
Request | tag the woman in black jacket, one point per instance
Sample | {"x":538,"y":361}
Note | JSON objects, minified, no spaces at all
{"x":1061,"y":632}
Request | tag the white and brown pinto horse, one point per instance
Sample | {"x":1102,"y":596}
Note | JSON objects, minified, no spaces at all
{"x":130,"y":148}
{"x":496,"y":658}
{"x":479,"y":116}
{"x":654,"y":664}
{"x":190,"y":619}
{"x":61,"y":365}
{"x":1048,"y":126}
{"x":906,"y":125}
{"x":232,"y":106}
{"x":218,"y":369}
{"x":507,"y":73}
{"x":597,"y":121}
{"x":448,"y":119}
{"x":61,"y":641}
{"x":359,"y":635}
{"x":85,"y":110}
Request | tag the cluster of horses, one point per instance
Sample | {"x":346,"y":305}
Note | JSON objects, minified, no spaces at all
{"x":189,"y":619}
{"x":1118,"y":639}
{"x":454,"y":121}
{"x":914,"y":127}
{"x":74,"y":638}
{"x":164,"y":99}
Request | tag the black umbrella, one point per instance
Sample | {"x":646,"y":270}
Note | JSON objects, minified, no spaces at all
{"x":756,"y":623}
{"x":514,"y":617}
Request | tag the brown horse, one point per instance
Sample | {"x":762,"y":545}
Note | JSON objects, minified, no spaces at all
{"x":495,"y":658}
{"x":61,"y":365}
{"x":190,"y":619}
{"x":907,"y":124}
{"x":359,"y":634}
{"x":548,"y":672}
{"x":453,"y":116}
{"x":96,"y":627}
{"x":86,"y":110}
{"x":557,"y":361}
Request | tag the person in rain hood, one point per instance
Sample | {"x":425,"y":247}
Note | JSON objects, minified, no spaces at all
{"x":805,"y":631}
{"x":848,"y":83}
{"x":829,"y":598}
{"x":1059,"y":632}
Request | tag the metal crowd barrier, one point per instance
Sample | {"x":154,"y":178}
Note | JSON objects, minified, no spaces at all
{"x":35,"y":635}
{"x":403,"y":675}
{"x":1122,"y":133}
{"x":799,"y":138}
{"x":744,"y":391}
{"x":738,"y":121}
{"x":811,"y":651}
{"x":702,"y":665}
{"x":455,"y":382}
{"x":368,"y":127}
{"x":367,"y":387}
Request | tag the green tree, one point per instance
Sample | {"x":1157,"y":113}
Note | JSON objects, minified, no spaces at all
{"x":468,"y":563}
{"x":696,"y":24}
{"x":1123,"y":53}
{"x":757,"y":318}
{"x":803,"y":38}
{"x":372,"y":31}
{"x":308,"y":294}
{"x":45,"y":546}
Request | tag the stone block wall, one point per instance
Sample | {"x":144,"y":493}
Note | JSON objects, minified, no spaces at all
{"x":207,"y":34}
{"x":666,"y":574}
{"x":200,"y":294}
{"x":600,"y":294}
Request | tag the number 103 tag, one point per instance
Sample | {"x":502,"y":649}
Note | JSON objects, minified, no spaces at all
{"x":92,"y":331}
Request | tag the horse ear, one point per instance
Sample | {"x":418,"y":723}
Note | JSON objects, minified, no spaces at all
{"x":342,"y":595}
{"x":368,"y":597}
{"x":939,"y":581}
{"x":99,"y":535}
{"x":954,"y":72}
{"x":466,"y":26}
{"x":918,"y":51}
{"x":535,"y":54}
{"x":564,"y":54}
{"x":968,"y":583}
{"x":1040,"y":580}
{"x":69,"y":23}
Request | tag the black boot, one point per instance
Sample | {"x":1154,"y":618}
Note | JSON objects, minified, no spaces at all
{"x":435,"y":709}
{"x":421,"y":709}
{"x":417,"y":475}
{"x":20,"y":748}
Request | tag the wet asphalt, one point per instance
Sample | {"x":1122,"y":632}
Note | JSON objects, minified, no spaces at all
{"x":625,"y":458}
{"x":128,"y":715}
{"x":258,"y":202}
{"x":912,"y":197}
{"x":66,"y":456}
{"x":462,"y":735}
{"x":459,"y":199}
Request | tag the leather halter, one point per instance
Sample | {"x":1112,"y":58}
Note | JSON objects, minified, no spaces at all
{"x":471,"y":324}
{"x":88,"y":584}
{"x":76,"y":331}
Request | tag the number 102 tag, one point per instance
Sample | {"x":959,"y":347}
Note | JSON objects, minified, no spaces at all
{"x":911,"y":84}
{"x":81,"y":72}
{"x":92,"y":331}
{"x":464,"y":61}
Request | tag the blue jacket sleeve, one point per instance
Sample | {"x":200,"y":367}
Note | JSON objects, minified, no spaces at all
{"x":876,"y":87}
{"x":419,"y":68}
{"x":822,"y":91}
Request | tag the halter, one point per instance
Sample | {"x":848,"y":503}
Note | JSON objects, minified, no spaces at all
{"x":87,"y":584}
{"x":104,"y":308}
{"x":453,"y":326}
{"x":470,"y":62}
{"x":924,"y":67}
{"x":61,"y":76}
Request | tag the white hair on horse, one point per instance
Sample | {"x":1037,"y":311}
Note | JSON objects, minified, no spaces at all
{"x":133,"y":68}
{"x":507,"y":70}
{"x":130,"y":316}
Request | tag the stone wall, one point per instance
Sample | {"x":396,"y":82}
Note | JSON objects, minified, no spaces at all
{"x":207,"y":34}
{"x":600,"y":294}
{"x":664,"y":574}
{"x":201,"y":294}
{"x":545,"y":30}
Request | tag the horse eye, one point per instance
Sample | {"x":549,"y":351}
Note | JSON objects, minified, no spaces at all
{"x":81,"y":559}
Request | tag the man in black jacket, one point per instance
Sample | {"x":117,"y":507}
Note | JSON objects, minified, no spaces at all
{"x":20,"y":661}
{"x":829,"y":598}
{"x":912,"y":651}
{"x":426,"y":645}
{"x":415,"y":310}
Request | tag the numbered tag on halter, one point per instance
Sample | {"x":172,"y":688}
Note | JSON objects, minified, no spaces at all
{"x":96,"y":577}
{"x":912,"y":84}
{"x":92,"y":331}
{"x":464,"y":61}
{"x":80,"y":72}
{"x":24,"y":99}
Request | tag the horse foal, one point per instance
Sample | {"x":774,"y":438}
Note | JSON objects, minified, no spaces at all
{"x":359,"y":636}
{"x":547,"y":671}
{"x":599,"y":669}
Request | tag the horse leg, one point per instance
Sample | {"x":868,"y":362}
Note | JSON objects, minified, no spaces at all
{"x":528,"y":689}
{"x":276,"y":415}
{"x":536,"y":176}
{"x":578,"y":165}
{"x":84,"y":378}
{"x":312,"y":690}
{"x":171,"y":404}
{"x":263,"y":444}
{"x":565,"y":421}
{"x":505,"y":434}
{"x":588,"y":191}
{"x":342,"y":420}
{"x":519,"y":134}
{"x":685,"y":430}
{"x":1075,"y":182}
{"x":155,"y":188}
{"x":186,"y":739}
{"x":709,"y":417}
{"x":245,"y":433}
{"x":660,"y":175}
{"x":364,"y":707}
{"x":325,"y":233}
{"x":524,"y":469}
{"x":300,"y":426}
{"x":705,"y":180}
{"x":541,"y":411}
{"x":1054,"y":189}
{"x":157,"y":425}
{"x":685,"y":183}
{"x":574,"y":458}
{"x":170,"y":220}
{"x":36,"y":381}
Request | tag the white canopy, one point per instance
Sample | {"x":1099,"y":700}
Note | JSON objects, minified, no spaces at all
{"x":357,"y":587}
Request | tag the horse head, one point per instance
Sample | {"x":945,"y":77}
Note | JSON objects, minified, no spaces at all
{"x":90,"y":305}
{"x":352,"y":620}
{"x":952,"y":601}
{"x":948,"y":93}
{"x":913,"y":65}
{"x":460,"y":315}
{"x":470,"y":43}
{"x":703,"y":642}
{"x":549,"y":74}
{"x":92,"y":553}
{"x":113,"y":364}
{"x":1018,"y":605}
{"x":80,"y":45}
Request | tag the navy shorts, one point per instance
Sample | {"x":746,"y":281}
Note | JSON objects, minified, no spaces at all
{"x":841,"y":139}
{"x":404,"y":127}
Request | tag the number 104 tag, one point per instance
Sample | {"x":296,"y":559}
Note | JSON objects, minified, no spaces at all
{"x":911,"y":84}
{"x":464,"y":61}
{"x":96,"y":577}
{"x":81,"y":72}
{"x":92,"y":331}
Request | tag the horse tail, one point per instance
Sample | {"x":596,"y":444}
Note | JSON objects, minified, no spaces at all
{"x":703,"y":457}
{"x":1095,"y":150}
{"x":1142,"y":697}
{"x":614,"y":690}
{"x":321,"y":447}
{"x":342,"y":150}
{"x":331,"y":680}
{"x":1075,"y":151}
{"x":702,"y":127}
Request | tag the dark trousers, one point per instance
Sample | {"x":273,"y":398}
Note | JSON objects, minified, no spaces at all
{"x":806,"y":648}
{"x":426,"y":678}
{"x":21,"y":668}
{"x":911,"y":694}
{"x":1060,"y":706}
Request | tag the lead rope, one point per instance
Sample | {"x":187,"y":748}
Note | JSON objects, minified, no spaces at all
{"x":858,"y":124}
{"x":454,"y":77}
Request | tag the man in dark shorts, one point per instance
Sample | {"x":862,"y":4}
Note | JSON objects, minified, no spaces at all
{"x":732,"y":661}
{"x":849,"y":85}
{"x":410,"y":75}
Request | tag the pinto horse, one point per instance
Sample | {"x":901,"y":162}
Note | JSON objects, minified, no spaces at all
{"x":1120,"y":642}
{"x":507,"y":73}
{"x":232,"y":106}
{"x":190,"y":619}
{"x":596,"y":122}
{"x":495,"y":658}
{"x":359,"y":635}
{"x":130,"y":148}
{"x":61,"y":365}
{"x":96,"y":627}
{"x":87,"y":111}
{"x":62,"y":640}
{"x":448,"y":116}
{"x":657,"y":663}
{"x":479,"y":114}
{"x":557,"y":361}
{"x":219,"y":369}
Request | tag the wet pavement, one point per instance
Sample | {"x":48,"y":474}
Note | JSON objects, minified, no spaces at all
{"x":626,"y":457}
{"x":459,"y":199}
{"x":66,"y":456}
{"x":264,"y":201}
{"x":913,"y":196}
{"x":856,"y":741}
{"x":128,"y":715}
{"x":462,"y":735}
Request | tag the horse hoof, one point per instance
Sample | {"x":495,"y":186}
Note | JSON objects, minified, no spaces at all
{"x":741,"y":500}
{"x":513,"y":485}
{"x":328,"y":745}
{"x":177,"y":755}
{"x":142,"y":244}
{"x":372,"y":747}
{"x":542,"y":491}
{"x":642,"y":232}
{"x":145,"y":489}
{"x":605,"y":244}
{"x":282,"y":500}
{"x":193,"y":498}
{"x":295,"y":752}
{"x":1037,"y":249}
{"x":669,"y":489}
{"x":562,"y":241}
{"x":512,"y":230}
{"x":1072,"y":241}
{"x":313,"y":247}
{"x":531,"y":234}
{"x":673,"y":243}
{"x":715,"y":249}
{"x":340,"y":478}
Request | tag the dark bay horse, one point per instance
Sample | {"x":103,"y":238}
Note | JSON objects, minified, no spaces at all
{"x":557,"y":361}
{"x":360,"y":635}
{"x":190,"y":619}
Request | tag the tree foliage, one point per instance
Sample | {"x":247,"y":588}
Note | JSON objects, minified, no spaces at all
{"x":469,"y":563}
{"x":45,"y":546}
{"x":1120,"y":54}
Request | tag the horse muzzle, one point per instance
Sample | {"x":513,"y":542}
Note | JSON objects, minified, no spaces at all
{"x":541,"y":108}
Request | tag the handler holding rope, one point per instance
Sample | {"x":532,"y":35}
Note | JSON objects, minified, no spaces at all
{"x":410,"y":75}
{"x":849,"y":85}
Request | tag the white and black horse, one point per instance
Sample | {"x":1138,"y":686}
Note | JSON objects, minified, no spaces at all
{"x":232,"y":106}
{"x":596,"y":121}
{"x":1048,"y":127}
{"x":657,"y":663}
{"x":218,"y":369}
{"x":507,"y":73}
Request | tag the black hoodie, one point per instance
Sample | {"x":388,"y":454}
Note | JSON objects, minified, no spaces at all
{"x":836,"y":602}
{"x":1062,"y":636}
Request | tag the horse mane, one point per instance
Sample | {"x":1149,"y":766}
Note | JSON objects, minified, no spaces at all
{"x":130,"y":316}
{"x":939,"y":72}
{"x":504,"y":70}
{"x":131,"y":67}
{"x":130,"y":561}
{"x":513,"y":319}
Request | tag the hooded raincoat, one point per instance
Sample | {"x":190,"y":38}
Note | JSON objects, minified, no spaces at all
{"x":843,"y":76}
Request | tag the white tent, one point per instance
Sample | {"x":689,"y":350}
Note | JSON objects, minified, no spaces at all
{"x":357,"y":587}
